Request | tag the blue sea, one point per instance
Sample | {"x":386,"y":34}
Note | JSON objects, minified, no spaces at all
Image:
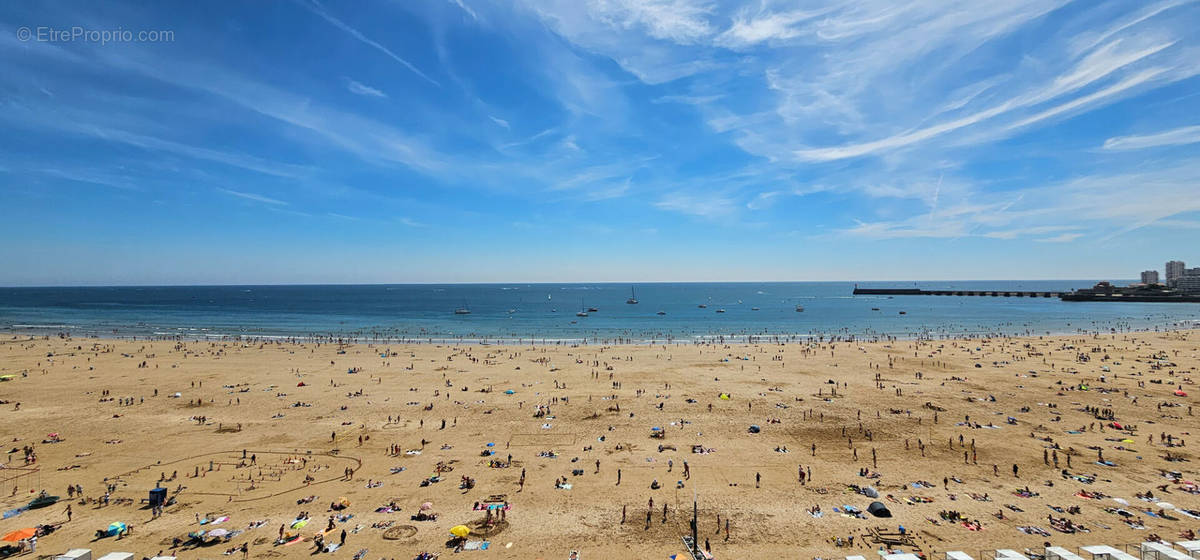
{"x":546,"y":313}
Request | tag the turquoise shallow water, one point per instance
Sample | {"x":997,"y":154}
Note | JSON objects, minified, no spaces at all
{"x":546,"y":312}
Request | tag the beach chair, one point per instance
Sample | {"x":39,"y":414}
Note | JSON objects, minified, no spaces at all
{"x":1060,"y":553}
{"x":1160,"y":551}
{"x":1009,"y":554}
{"x":76,"y":554}
{"x":1105,"y":552}
{"x":1191,"y":547}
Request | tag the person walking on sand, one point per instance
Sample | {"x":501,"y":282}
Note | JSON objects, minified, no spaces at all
{"x":68,"y":512}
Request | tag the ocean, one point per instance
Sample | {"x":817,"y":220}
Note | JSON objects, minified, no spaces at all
{"x":546,"y":313}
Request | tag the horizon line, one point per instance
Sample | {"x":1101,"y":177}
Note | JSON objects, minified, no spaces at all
{"x":514,"y":283}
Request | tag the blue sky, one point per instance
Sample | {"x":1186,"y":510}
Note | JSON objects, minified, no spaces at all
{"x":598,"y":140}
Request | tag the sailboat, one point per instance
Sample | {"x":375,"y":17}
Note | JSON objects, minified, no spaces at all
{"x":632,"y":297}
{"x":582,"y":310}
{"x":464,"y":310}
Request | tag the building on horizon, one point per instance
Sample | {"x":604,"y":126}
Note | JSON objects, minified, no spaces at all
{"x":1174,"y":270}
{"x":1188,"y":284}
{"x":1149,"y":277}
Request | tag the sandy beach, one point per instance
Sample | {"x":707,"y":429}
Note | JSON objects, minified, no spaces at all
{"x":563,"y":444}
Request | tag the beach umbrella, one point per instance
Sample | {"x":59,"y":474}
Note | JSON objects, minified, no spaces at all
{"x":491,"y":444}
{"x":460,"y":531}
{"x":1165,"y":505}
{"x":20,"y":534}
{"x":426,"y":506}
{"x":656,"y":429}
{"x":343,"y":502}
{"x":510,"y":392}
{"x":1121,"y":501}
{"x":1180,"y":394}
{"x":217,"y":533}
{"x":116,"y":527}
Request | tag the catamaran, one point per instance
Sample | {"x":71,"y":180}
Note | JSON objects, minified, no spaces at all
{"x":632,"y":297}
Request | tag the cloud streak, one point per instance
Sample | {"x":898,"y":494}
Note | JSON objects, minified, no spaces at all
{"x":316,"y":8}
{"x":1175,"y":137}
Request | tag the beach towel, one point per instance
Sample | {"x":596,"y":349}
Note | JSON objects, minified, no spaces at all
{"x":294,"y":540}
{"x":15,"y":512}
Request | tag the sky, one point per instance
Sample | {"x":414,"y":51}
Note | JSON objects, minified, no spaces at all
{"x":303,"y":141}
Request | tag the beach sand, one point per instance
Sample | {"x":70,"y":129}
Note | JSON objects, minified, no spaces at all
{"x":253,"y":406}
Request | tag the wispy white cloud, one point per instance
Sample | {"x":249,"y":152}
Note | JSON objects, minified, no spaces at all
{"x":615,"y":190}
{"x":763,"y":200}
{"x":1061,"y":238}
{"x":316,"y":8}
{"x":708,"y":205}
{"x":1174,"y":137}
{"x":462,"y":5}
{"x":1097,"y":203}
{"x":363,"y":89}
{"x":750,"y":30}
{"x":499,"y":121}
{"x":681,"y":21}
{"x":254,"y":197}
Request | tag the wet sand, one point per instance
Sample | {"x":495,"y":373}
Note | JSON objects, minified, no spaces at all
{"x":892,"y":399}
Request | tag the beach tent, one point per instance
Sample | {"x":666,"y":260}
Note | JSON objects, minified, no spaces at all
{"x":426,"y":506}
{"x":158,"y":497}
{"x":754,"y":429}
{"x":724,"y":396}
{"x":870,"y":492}
{"x":879,"y":510}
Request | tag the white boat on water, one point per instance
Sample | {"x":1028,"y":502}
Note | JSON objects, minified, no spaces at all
{"x":632,"y":297}
{"x":799,"y":308}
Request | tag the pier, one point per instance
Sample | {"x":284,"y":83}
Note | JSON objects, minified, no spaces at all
{"x":918,"y":292}
{"x":1102,"y":292}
